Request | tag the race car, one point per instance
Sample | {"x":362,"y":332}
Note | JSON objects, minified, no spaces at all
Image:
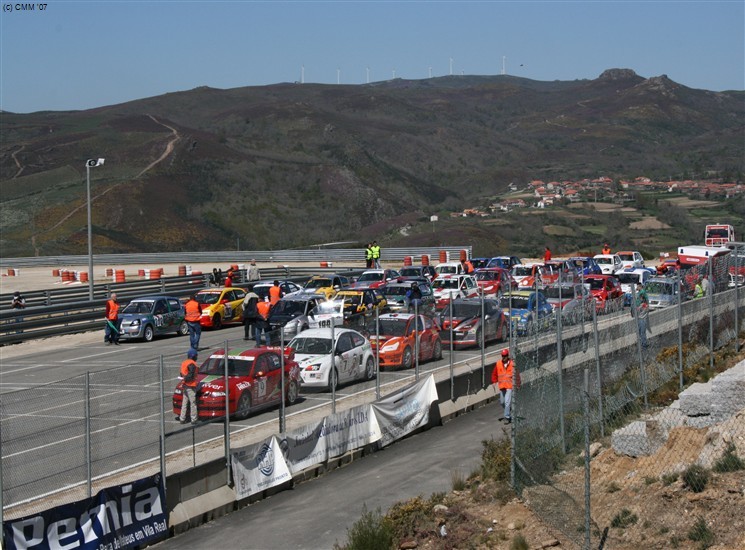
{"x":220,"y":306}
{"x":450,"y":287}
{"x":394,"y":339}
{"x":467,"y":324}
{"x":375,"y":278}
{"x":326,"y":285}
{"x":254,"y":382}
{"x":493,"y":281}
{"x":352,"y":357}
{"x":151,"y":316}
{"x":528,"y":310}
{"x":607,"y":292}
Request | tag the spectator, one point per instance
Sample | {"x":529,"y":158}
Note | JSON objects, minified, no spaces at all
{"x":253,"y":271}
{"x":606,"y":249}
{"x":250,"y":312}
{"x":18,"y":301}
{"x":698,"y":290}
{"x":111,"y":334}
{"x":193,"y":321}
{"x":547,"y":255}
{"x":229,"y":278}
{"x":641,"y":310}
{"x":214,"y":278}
{"x":375,"y":254}
{"x":503,"y":375}
{"x":368,"y":256}
{"x":275,"y":293}
{"x":189,"y":371}
{"x":706,"y":285}
{"x":467,"y":266}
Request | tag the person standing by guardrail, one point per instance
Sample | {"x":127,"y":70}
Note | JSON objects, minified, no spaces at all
{"x":375,"y":248}
{"x":18,"y":302}
{"x":503,"y":375}
{"x":111,"y":334}
{"x":189,"y":371}
{"x":253,"y":272}
{"x":250,"y":313}
{"x":193,"y":315}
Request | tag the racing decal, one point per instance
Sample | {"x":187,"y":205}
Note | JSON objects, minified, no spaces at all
{"x":261,"y":386}
{"x":158,"y":320}
{"x":228,"y":311}
{"x":324,"y":323}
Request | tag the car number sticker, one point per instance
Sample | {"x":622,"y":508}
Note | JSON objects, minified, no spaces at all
{"x":158,"y":319}
{"x":261,"y":389}
{"x":228,"y":311}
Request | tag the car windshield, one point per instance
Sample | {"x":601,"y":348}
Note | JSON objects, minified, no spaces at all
{"x":552,"y":292}
{"x":350,"y":299}
{"x":445,"y":283}
{"x":139,"y":306}
{"x":396,"y":290}
{"x":628,"y":278}
{"x":478,"y":263}
{"x":522,"y":271}
{"x":411,"y":272}
{"x":487,"y":276}
{"x":334,"y":306}
{"x":596,"y":284}
{"x":604,"y":260}
{"x":390,"y":327}
{"x":655,"y":287}
{"x":289,"y":307}
{"x":262,"y":291}
{"x":317,"y":283}
{"x":463,"y":310}
{"x":497,"y":262}
{"x":626,"y":257}
{"x":370,"y":277}
{"x":518,"y":302}
{"x":311,"y":345}
{"x":445,"y":269}
{"x":208,"y":297}
{"x":236,"y":367}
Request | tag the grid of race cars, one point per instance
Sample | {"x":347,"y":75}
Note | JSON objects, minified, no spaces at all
{"x":330,"y":331}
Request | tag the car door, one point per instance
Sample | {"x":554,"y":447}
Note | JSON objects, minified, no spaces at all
{"x":175,"y":313}
{"x":160,"y":316}
{"x":267,"y":373}
{"x":345,"y":358}
{"x":491,"y":320}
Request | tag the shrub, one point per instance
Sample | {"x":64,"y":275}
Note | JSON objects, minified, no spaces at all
{"x":457,"y":480}
{"x":623,"y":519}
{"x":729,"y":462}
{"x":701,"y":533}
{"x":696,"y":477}
{"x":613,"y":487}
{"x":495,"y":460}
{"x":669,"y":479}
{"x":371,"y":532}
{"x":519,"y":543}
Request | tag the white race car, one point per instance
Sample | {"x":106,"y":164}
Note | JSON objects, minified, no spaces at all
{"x":353,"y":357}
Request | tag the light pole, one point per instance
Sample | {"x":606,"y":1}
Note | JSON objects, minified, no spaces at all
{"x":90,"y":163}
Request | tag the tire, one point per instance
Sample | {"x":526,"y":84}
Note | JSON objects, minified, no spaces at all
{"x":333,"y":379}
{"x":293,"y":391}
{"x":183,"y":329}
{"x":437,"y":353}
{"x":243,"y":408}
{"x":370,"y":369}
{"x":407,"y":359}
{"x":148,"y":334}
{"x":216,"y":321}
{"x":479,"y":332}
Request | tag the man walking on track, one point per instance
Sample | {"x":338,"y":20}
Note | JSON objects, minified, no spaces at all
{"x":189,"y":370}
{"x":502,"y":376}
{"x":193,"y":315}
{"x":111,"y":334}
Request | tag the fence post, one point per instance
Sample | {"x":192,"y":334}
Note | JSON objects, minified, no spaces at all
{"x":736,"y":280}
{"x":640,"y":332}
{"x":2,"y":518}
{"x":89,"y":466}
{"x":586,"y":410}
{"x":559,"y":367}
{"x":680,"y":332}
{"x":227,"y":415}
{"x":377,"y":354}
{"x":482,"y":343}
{"x":162,"y":419}
{"x":416,"y":340}
{"x":282,"y":383}
{"x":452,"y":381}
{"x":332,"y":375}
{"x":710,"y":296}
{"x":598,"y":372}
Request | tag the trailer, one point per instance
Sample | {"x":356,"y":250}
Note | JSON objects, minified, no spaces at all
{"x":718,"y":234}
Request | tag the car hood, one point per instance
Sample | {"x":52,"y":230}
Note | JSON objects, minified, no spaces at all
{"x":282,"y":318}
{"x":385,"y":340}
{"x":304,"y":359}
{"x":457,"y":321}
{"x":133,"y":316}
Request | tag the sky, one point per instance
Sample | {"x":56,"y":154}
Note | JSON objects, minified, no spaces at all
{"x":71,"y":55}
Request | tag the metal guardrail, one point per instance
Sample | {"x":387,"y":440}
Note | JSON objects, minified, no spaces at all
{"x":68,"y":311}
{"x":240,"y":256}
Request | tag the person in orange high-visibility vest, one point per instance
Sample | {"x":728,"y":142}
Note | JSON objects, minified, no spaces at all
{"x":189,"y":370}
{"x":606,"y":249}
{"x":193,"y":320}
{"x":547,"y":255}
{"x":261,"y":326}
{"x":503,"y":375}
{"x":111,"y":334}
{"x":275,"y":293}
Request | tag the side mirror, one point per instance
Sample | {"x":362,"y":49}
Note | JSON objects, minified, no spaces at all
{"x":259,"y":374}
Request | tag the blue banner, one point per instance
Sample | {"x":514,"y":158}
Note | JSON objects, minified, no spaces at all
{"x":116,"y":518}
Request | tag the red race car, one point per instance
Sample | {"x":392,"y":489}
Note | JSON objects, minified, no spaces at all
{"x":397,"y":342}
{"x":494,"y":281}
{"x":253,"y":381}
{"x":607,"y":292}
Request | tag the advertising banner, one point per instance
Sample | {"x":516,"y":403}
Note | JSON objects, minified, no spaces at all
{"x":116,"y":518}
{"x":304,"y":447}
{"x":405,"y":410}
{"x":350,"y":430}
{"x":259,"y":467}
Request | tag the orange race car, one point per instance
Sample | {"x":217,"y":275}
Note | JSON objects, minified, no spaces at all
{"x":397,"y":341}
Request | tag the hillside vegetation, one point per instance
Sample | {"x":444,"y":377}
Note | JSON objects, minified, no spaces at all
{"x":292,"y":165}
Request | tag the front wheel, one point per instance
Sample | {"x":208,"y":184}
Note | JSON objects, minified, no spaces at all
{"x":243,"y":408}
{"x":408,"y":358}
{"x":479,"y":342}
{"x":183,"y":329}
{"x":333,"y":379}
{"x":216,"y":321}
{"x":148,"y":334}
{"x":437,"y":354}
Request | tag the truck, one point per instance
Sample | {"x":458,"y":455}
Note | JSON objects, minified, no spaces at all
{"x":718,"y":234}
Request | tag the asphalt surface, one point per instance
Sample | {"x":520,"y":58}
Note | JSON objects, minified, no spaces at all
{"x":317,"y":513}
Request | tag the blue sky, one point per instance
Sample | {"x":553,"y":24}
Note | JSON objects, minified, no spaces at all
{"x":81,"y":55}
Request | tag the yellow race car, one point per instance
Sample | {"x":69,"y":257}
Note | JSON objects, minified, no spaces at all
{"x":221,"y":305}
{"x":326,"y":285}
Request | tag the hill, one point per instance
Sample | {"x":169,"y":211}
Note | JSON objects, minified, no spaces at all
{"x":291,"y":165}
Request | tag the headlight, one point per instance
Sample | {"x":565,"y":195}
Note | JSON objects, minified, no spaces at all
{"x":313,"y":367}
{"x":135,"y":323}
{"x":390,"y":347}
{"x":177,"y":391}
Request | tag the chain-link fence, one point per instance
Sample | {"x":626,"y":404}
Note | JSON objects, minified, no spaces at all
{"x":621,"y":383}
